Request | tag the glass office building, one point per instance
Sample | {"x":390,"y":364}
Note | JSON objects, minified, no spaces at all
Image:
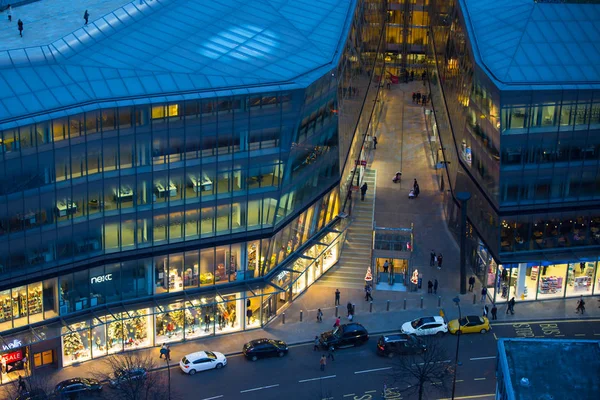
{"x":156,"y":189}
{"x":517,"y":107}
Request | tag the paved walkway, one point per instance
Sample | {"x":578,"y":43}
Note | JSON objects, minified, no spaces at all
{"x":392,"y":208}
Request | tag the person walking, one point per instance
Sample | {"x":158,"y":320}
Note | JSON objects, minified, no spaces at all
{"x":9,"y":11}
{"x":483,"y":294}
{"x":349,"y":307}
{"x":20,"y":25}
{"x":418,"y":97}
{"x":368,"y":293}
{"x":414,"y":97}
{"x":430,"y":287}
{"x":494,"y":311}
{"x":439,"y":260}
{"x":86,"y":16}
{"x":336,"y":324}
{"x":317,"y":344}
{"x":386,"y":266}
{"x":580,"y":306}
{"x":163,"y":350}
{"x":337,"y":297}
{"x":471,"y":283}
{"x":432,"y":258}
{"x":168,"y":353}
{"x":435,"y":286}
{"x":417,"y":190}
{"x":22,"y":386}
{"x":374,"y":142}
{"x":415,"y":184}
{"x":330,"y":351}
{"x":511,"y":306}
{"x":485,"y":310}
{"x":363,"y":191}
{"x":323,"y":362}
{"x":319,"y":315}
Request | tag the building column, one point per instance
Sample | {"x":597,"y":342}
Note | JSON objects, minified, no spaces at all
{"x":521,"y":276}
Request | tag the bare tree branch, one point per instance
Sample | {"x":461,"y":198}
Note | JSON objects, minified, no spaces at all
{"x":35,"y":384}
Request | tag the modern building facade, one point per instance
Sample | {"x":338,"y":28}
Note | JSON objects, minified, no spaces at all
{"x":160,"y":187}
{"x":517,"y":107}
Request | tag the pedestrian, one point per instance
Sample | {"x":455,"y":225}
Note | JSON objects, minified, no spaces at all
{"x":337,"y":297}
{"x":483,"y":294}
{"x":432,"y":258}
{"x":414,"y":97}
{"x":9,"y":11}
{"x":319,"y":315}
{"x":429,"y":286}
{"x":330,"y":351}
{"x":418,"y":97}
{"x":22,"y":386}
{"x":415,"y":184}
{"x":86,"y":16}
{"x":435,"y":286}
{"x":386,"y":266}
{"x":317,"y":344}
{"x":363,"y":190}
{"x":439,"y":260}
{"x":336,"y":324}
{"x":424,"y":99}
{"x":163,"y":350}
{"x":580,"y":306}
{"x":323,"y":362}
{"x":349,"y":307}
{"x":368,"y":293}
{"x":511,"y":306}
{"x":494,"y":311}
{"x":485,"y":311}
{"x":417,"y":190}
{"x":168,"y":353}
{"x":374,"y":142}
{"x":471,"y":283}
{"x":20,"y":25}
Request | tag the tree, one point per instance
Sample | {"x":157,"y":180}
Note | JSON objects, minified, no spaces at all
{"x":72,"y":343}
{"x":34,"y":384}
{"x":153,"y":387}
{"x":425,"y":372}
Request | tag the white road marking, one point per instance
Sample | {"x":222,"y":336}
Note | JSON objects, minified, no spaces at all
{"x":372,"y":370}
{"x":213,"y":398}
{"x":317,"y":379}
{"x":350,"y":394}
{"x":258,"y":388}
{"x":371,"y":391}
{"x":482,"y":358}
{"x":479,"y":379}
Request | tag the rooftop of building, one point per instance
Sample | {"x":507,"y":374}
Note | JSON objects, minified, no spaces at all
{"x":536,"y":42}
{"x":555,"y":369}
{"x":163,"y":48}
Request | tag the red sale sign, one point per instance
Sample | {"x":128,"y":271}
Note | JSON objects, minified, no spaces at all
{"x":10,"y":358}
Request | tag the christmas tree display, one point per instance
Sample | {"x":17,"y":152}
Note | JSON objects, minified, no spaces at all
{"x":72,"y":343}
{"x":369,"y":275}
{"x":177,"y":318}
{"x":115,"y":332}
{"x":139,"y":326}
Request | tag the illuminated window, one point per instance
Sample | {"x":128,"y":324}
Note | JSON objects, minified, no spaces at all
{"x":170,"y":110}
{"x":158,"y":112}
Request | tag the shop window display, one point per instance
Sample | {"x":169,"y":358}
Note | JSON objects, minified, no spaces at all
{"x":170,"y":324}
{"x":136,"y":330}
{"x":228,"y":313}
{"x":13,"y":363}
{"x":552,"y":281}
{"x":256,"y":260}
{"x":597,"y":281}
{"x":99,"y":347}
{"x":580,"y":278}
{"x":76,"y":344}
{"x":115,"y":334}
{"x":253,"y":312}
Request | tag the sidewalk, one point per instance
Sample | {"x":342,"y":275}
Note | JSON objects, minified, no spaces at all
{"x":407,"y":150}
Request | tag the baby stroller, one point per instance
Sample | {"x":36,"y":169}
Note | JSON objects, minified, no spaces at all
{"x":411,"y":194}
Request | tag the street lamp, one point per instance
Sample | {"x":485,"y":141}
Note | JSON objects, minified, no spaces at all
{"x":458,"y":335}
{"x":169,"y":373}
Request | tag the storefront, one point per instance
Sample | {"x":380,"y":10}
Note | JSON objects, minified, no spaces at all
{"x":538,"y":281}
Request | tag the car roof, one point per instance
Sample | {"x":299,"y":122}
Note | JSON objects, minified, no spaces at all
{"x":352,"y":325}
{"x":474,"y":318}
{"x":428,"y":320}
{"x":72,"y":380}
{"x":396,"y":337}
{"x":196,"y":355}
{"x":259,"y":341}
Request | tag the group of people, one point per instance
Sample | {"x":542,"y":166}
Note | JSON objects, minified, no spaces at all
{"x":436,"y":259}
{"x":419,"y":98}
{"x":432,"y":287}
{"x":9,"y":12}
{"x":414,"y":192}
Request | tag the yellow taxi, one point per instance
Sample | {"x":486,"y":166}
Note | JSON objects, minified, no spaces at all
{"x":469,"y":324}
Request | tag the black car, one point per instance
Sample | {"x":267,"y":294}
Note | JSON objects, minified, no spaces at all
{"x":78,"y":385}
{"x":128,"y":375}
{"x":346,"y":335}
{"x":262,"y":348}
{"x":401,"y":343}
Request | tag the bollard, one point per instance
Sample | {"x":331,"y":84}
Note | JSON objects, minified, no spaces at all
{"x":405,"y":304}
{"x":421,"y":301}
{"x":439,"y":301}
{"x":300,"y":315}
{"x":336,"y":311}
{"x":371,"y":307}
{"x":388,"y":306}
{"x":474,"y":299}
{"x":283,"y":318}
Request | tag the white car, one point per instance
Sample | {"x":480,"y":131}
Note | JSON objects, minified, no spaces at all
{"x":201,"y":361}
{"x":426,"y":326}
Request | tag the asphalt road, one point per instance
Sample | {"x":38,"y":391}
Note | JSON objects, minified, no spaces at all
{"x":359,"y":374}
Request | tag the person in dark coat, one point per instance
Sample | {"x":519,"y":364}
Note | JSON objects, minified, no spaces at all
{"x":363,"y":190}
{"x":20,"y":25}
{"x":374,"y":142}
{"x":439,"y":258}
{"x":494,"y":311}
{"x":429,"y":287}
{"x":432,"y":258}
{"x":337,"y":297}
{"x":415,"y":184}
{"x":511,"y":306}
{"x":86,"y":16}
{"x":471,"y":283}
{"x":483,"y":294}
{"x":417,"y":190}
{"x":349,"y":307}
{"x":435,"y":286}
{"x":386,"y":266}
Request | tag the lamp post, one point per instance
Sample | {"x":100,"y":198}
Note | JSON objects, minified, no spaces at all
{"x":458,"y":335}
{"x":463,"y":197}
{"x":169,"y":373}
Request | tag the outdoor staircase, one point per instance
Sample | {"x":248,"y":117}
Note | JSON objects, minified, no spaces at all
{"x":350,"y":270}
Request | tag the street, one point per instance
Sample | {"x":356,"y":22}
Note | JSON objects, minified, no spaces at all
{"x":359,"y":373}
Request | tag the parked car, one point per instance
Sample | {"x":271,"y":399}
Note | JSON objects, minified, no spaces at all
{"x":426,"y":326}
{"x":470,"y":324}
{"x":400,"y":344}
{"x":262,"y":348}
{"x":347,"y":335}
{"x":33,"y":394}
{"x":201,"y":361}
{"x":128,"y":375}
{"x":77,"y":385}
